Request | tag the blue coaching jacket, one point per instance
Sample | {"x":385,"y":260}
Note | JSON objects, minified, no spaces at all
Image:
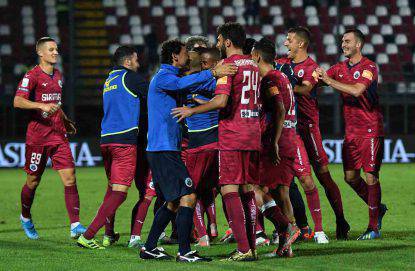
{"x":164,"y":133}
{"x":121,"y":100}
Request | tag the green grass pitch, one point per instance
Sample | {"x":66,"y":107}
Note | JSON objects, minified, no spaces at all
{"x":56,"y":251}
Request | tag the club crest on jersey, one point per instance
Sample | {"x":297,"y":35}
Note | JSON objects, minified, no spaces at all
{"x":188,"y":182}
{"x":151,"y":184}
{"x":60,"y":83}
{"x":356,"y":74}
{"x":33,"y":167}
{"x":300,"y":73}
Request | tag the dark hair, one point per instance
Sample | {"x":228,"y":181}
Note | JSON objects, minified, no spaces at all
{"x":266,"y":49}
{"x":190,"y":42}
{"x":233,"y":32}
{"x":42,"y":41}
{"x":122,"y":53}
{"x":358,"y":34}
{"x":213,"y":52}
{"x":168,"y":48}
{"x":249,"y":44}
{"x":302,"y":32}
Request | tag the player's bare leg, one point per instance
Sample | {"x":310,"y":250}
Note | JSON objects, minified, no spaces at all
{"x":313,"y":202}
{"x":27,"y":197}
{"x":71,"y":200}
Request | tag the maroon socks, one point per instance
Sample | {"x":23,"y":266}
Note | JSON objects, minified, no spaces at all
{"x":313,"y":202}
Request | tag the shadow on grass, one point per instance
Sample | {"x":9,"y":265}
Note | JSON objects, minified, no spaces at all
{"x":19,"y":229}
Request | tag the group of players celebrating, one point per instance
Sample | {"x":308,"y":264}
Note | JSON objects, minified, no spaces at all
{"x":232,"y":120}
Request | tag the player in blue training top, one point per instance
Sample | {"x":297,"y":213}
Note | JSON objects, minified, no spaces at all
{"x":170,"y":175}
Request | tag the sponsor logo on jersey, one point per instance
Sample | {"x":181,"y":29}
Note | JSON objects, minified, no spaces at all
{"x":300,"y":73}
{"x":33,"y":167}
{"x":188,"y":182}
{"x":248,"y":113}
{"x":25,"y":82}
{"x":356,"y":74}
{"x":51,"y":97}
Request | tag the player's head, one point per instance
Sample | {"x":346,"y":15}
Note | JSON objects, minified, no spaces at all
{"x":193,"y":42}
{"x":209,"y":57}
{"x":174,"y":52}
{"x":249,"y":43}
{"x":298,"y":39}
{"x":230,"y":35}
{"x":127,"y":57}
{"x":194,"y":59}
{"x":352,"y":42}
{"x":47,"y":50}
{"x":264,"y":51}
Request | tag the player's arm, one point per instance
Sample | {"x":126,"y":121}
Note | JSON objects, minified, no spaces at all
{"x":303,"y":89}
{"x":68,"y":123}
{"x":352,"y":89}
{"x":279,"y":125}
{"x":23,"y":103}
{"x":175,"y":83}
{"x":218,"y":102}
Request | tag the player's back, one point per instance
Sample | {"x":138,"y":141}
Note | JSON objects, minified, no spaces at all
{"x":277,"y":83}
{"x":239,"y":127}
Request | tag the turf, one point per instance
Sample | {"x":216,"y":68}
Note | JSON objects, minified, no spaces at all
{"x":56,"y":251}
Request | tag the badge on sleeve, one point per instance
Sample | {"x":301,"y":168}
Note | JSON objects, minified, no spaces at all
{"x":222,"y":81}
{"x":25,"y":82}
{"x":367,"y":74}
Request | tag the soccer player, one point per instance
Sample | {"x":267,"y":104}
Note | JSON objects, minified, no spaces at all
{"x":202,"y":152}
{"x":239,"y":135}
{"x":356,"y":79}
{"x":170,"y":175}
{"x":278,"y":143}
{"x":40,"y":91}
{"x":122,"y":92}
{"x":304,"y":66}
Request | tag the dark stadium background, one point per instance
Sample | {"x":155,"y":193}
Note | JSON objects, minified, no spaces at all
{"x":89,"y":31}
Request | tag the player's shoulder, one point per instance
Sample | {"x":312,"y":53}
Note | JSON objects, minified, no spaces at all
{"x":282,"y":60}
{"x":367,"y":63}
{"x":33,"y":72}
{"x":310,"y":62}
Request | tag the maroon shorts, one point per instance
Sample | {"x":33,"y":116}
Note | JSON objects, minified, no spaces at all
{"x":37,"y":156}
{"x":272,"y":175}
{"x":313,"y":143}
{"x":119,"y":162}
{"x":202,"y":164}
{"x":301,"y":163}
{"x":143,"y":178}
{"x":238,"y":167}
{"x":366,"y":153}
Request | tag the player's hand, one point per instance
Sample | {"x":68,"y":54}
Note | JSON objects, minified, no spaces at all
{"x":224,"y":70}
{"x":69,"y":126}
{"x":322,"y":75}
{"x":181,"y":113}
{"x":276,"y":159}
{"x":49,"y":108}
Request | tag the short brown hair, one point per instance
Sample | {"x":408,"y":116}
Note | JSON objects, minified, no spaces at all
{"x":42,"y":41}
{"x":301,"y":32}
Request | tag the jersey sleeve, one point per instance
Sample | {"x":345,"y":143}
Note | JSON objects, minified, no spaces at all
{"x":311,"y":75}
{"x":26,"y":86}
{"x":369,"y":74}
{"x":173,"y":83}
{"x":136,"y":84}
{"x":274,"y":89}
{"x":224,"y":85}
{"x":332,"y":71}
